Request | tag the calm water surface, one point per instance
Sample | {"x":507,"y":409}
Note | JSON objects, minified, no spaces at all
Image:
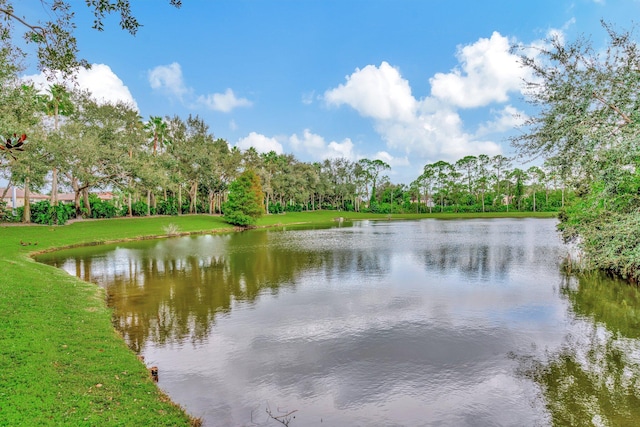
{"x":421,"y":323}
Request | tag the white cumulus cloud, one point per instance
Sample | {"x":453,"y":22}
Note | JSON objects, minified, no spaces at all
{"x":168,"y":78}
{"x":377,"y":92}
{"x":425,"y":129}
{"x":316,"y":146}
{"x":261,"y":143}
{"x":507,"y":118}
{"x":488,"y":72}
{"x":223,"y":102}
{"x":100,"y":80}
{"x":392,"y":161}
{"x":337,"y":150}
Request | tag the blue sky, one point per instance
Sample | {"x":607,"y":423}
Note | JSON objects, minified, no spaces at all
{"x":407,"y":82}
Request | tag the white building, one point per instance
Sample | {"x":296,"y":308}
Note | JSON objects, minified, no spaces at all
{"x":14,"y":197}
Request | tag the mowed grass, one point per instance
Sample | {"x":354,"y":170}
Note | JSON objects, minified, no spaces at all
{"x":61,"y":361}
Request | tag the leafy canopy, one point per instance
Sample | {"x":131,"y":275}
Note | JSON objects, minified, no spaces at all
{"x":57,"y":47}
{"x":245,"y":204}
{"x":588,"y":124}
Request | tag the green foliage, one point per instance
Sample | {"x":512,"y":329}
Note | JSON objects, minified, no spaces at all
{"x":588,"y":125}
{"x":56,"y":45}
{"x":5,"y":212}
{"x":168,"y":207}
{"x":327,"y":207}
{"x":9,"y":215}
{"x":245,"y":203}
{"x":294,"y":207}
{"x":374,"y":206}
{"x":139,"y":208}
{"x":45,"y":214}
{"x":276,"y":208}
{"x":102,"y":208}
{"x":199,"y":206}
{"x":608,"y":233}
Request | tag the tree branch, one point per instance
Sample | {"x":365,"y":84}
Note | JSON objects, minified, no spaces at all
{"x":284,"y":419}
{"x":35,"y":28}
{"x":613,"y":107}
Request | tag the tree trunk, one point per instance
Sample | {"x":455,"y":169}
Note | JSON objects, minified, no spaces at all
{"x":54,"y":187}
{"x":148,"y":202}
{"x":76,"y":196}
{"x":546,"y":195}
{"x":85,"y":196}
{"x":195,"y":197}
{"x":193,"y":193}
{"x":26,"y":214}
{"x":179,"y":200}
{"x":129,"y":210}
{"x":534,"y":201}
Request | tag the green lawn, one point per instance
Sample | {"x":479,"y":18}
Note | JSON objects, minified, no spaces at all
{"x":61,"y":362}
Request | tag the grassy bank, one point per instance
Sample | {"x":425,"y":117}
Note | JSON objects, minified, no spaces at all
{"x":61,"y":362}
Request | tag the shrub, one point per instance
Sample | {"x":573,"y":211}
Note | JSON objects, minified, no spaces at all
{"x":168,"y":207}
{"x":275,"y":208}
{"x":139,"y":208}
{"x":294,"y":207}
{"x":9,"y":215}
{"x":43,"y":213}
{"x":102,"y":208}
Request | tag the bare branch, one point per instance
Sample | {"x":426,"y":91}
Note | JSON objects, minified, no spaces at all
{"x":283,"y":419}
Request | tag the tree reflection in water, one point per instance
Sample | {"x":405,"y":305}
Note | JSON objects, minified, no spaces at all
{"x":177,"y":299}
{"x":171,"y":291}
{"x":593,"y":379}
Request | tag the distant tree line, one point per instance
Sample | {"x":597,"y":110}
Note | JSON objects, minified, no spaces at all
{"x":172,"y":166}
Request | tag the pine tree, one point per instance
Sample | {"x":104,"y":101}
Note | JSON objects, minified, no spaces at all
{"x":245,"y":204}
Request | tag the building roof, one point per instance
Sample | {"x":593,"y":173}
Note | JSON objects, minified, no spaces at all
{"x":70,"y":197}
{"x":20,"y":194}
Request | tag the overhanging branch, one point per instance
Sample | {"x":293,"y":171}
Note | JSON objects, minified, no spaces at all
{"x":613,"y":107}
{"x":35,"y":28}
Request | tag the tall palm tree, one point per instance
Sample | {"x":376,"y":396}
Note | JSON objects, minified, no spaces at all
{"x":56,"y":102}
{"x":157,"y":129}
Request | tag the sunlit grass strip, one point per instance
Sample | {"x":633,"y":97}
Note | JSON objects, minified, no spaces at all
{"x":61,"y":362}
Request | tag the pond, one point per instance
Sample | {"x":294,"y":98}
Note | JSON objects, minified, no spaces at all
{"x":394,"y":323}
